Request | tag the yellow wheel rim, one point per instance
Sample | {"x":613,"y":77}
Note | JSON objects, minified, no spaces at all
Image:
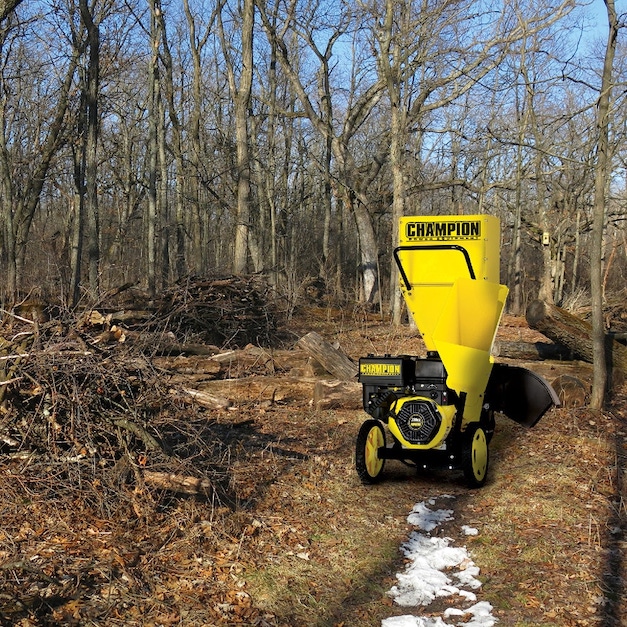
{"x":373,"y":443}
{"x":479,"y":453}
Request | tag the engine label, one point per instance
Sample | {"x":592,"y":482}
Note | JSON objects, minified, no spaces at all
{"x":375,"y":369}
{"x":445,"y":230}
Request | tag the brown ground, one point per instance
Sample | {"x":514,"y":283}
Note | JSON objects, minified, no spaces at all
{"x":290,"y":537}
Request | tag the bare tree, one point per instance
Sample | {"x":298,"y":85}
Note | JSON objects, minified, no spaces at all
{"x":86,"y":218}
{"x":155,"y":142}
{"x":197,"y":219}
{"x":412,"y":42}
{"x":352,"y":181}
{"x":599,"y":382}
{"x":241,"y":93}
{"x":25,"y":174}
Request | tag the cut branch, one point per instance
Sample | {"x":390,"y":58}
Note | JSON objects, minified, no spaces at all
{"x":178,"y":483}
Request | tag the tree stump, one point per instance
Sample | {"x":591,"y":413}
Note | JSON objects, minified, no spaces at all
{"x":333,"y":360}
{"x":571,"y":391}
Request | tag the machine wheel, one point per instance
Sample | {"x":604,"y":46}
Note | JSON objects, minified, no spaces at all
{"x":370,"y":438}
{"x":475,"y":456}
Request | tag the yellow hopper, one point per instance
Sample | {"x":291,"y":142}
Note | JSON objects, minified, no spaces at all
{"x":449,"y":270}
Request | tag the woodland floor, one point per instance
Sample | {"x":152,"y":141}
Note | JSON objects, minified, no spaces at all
{"x":292,"y":538}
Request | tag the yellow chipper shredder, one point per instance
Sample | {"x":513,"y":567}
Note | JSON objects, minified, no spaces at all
{"x":439,"y":409}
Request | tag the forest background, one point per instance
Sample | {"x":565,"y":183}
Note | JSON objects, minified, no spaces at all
{"x":145,"y":142}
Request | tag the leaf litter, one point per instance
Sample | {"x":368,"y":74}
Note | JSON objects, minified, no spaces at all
{"x":286,"y":535}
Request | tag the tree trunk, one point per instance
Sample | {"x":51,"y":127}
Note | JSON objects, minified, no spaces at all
{"x":92,"y":220}
{"x":10,"y":288}
{"x":180,"y":259}
{"x":368,"y":251}
{"x":76,"y":253}
{"x":562,"y":327}
{"x":598,"y":223}
{"x":196,"y":220}
{"x":241,"y":100}
{"x":153,"y":154}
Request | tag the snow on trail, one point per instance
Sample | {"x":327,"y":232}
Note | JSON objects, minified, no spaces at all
{"x":437,"y":569}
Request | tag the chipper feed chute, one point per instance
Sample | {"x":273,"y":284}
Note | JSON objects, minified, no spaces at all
{"x":439,"y":409}
{"x":433,"y":253}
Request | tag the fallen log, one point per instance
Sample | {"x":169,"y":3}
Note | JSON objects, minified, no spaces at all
{"x":178,"y":483}
{"x":257,"y":391}
{"x":337,"y":394}
{"x":204,"y":367}
{"x":205,"y":399}
{"x":531,"y":350}
{"x":564,"y":328}
{"x":232,"y":364}
{"x":332,"y":359}
{"x":164,"y":344}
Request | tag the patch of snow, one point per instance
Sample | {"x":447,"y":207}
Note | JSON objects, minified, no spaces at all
{"x":426,"y":519}
{"x":412,"y":621}
{"x":437,"y":569}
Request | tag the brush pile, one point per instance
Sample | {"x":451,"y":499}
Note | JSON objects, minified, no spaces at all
{"x":81,"y":399}
{"x":75,"y":413}
{"x":228,"y":312}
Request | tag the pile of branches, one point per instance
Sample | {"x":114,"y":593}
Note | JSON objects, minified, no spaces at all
{"x":228,"y":311}
{"x":99,"y":415}
{"x":82,"y":395}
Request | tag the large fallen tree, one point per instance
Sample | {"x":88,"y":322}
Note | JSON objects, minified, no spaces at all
{"x":575,"y":333}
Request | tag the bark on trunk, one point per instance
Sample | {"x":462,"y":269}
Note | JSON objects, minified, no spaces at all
{"x":531,"y":350}
{"x":564,"y":328}
{"x":333,"y":360}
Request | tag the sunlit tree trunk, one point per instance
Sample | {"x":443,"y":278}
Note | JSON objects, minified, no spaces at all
{"x":196,"y":215}
{"x":599,"y":381}
{"x":92,"y":222}
{"x":241,"y":94}
{"x":10,"y":288}
{"x":182,"y":173}
{"x":154,"y":94}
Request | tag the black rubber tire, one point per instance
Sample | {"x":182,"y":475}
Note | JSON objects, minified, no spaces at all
{"x":368,"y":464}
{"x":475,"y":456}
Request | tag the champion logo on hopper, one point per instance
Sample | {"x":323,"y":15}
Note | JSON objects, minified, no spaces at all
{"x":443,"y":230}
